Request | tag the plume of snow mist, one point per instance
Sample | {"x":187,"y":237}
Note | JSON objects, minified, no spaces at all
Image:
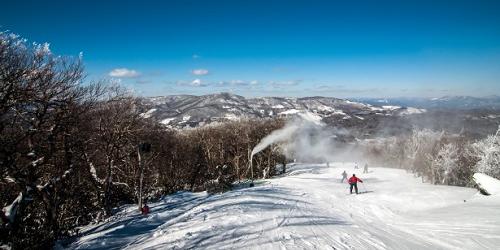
{"x":304,"y":138}
{"x":276,"y":136}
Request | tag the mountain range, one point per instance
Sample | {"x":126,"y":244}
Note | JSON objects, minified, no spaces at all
{"x":184,"y":111}
{"x":445,"y":102}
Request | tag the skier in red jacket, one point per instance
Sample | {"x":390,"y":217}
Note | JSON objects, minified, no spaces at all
{"x":353,"y":181}
{"x":145,"y":209}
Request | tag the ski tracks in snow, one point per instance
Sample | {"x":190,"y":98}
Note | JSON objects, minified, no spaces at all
{"x":310,"y":209}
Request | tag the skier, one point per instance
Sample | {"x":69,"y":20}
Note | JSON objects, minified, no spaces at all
{"x":344,"y":176}
{"x":365,"y":169}
{"x":145,"y":209}
{"x":353,"y":181}
{"x":356,"y":165}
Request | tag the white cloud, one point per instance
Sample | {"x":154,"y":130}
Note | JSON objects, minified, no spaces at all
{"x":199,"y":72}
{"x":124,"y":73}
{"x":197,"y":83}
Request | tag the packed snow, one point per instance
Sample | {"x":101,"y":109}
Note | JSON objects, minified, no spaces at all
{"x":309,"y":208}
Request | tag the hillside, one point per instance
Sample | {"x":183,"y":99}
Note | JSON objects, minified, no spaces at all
{"x":309,"y":208}
{"x":181,"y":111}
{"x":364,"y":119}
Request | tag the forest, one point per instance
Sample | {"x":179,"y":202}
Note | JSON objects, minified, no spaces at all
{"x":71,"y":150}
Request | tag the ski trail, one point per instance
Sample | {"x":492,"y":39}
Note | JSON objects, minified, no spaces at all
{"x":310,"y":209}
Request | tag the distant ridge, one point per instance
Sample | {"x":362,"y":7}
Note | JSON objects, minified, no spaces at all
{"x":181,"y":111}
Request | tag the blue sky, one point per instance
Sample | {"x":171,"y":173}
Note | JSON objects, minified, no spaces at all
{"x":275,"y":48}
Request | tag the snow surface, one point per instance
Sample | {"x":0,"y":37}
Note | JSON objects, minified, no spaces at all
{"x":309,"y":208}
{"x":289,"y":112}
{"x":232,"y":117}
{"x":390,"y":107}
{"x":487,"y":183}
{"x":148,"y":114}
{"x":325,"y":108}
{"x":167,"y":120}
{"x":411,"y":111}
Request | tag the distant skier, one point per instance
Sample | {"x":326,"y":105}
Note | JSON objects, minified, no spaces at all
{"x":344,"y":177}
{"x":365,"y":169}
{"x":356,"y":165}
{"x":353,"y":181}
{"x":327,"y":164}
{"x":145,"y":209}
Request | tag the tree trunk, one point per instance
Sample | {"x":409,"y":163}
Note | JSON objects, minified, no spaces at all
{"x":141,"y":177}
{"x":107,"y":191}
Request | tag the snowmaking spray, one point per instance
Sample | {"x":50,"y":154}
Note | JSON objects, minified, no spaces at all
{"x":303,"y":138}
{"x":275,"y":136}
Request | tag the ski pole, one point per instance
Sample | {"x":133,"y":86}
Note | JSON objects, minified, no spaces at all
{"x":364,"y":186}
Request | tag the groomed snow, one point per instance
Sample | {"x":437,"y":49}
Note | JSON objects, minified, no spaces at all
{"x":310,"y":209}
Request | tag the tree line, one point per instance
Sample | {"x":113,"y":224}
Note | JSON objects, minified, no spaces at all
{"x":438,"y":157}
{"x":72,"y":151}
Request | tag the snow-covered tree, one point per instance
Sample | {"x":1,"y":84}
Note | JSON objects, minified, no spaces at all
{"x":488,"y":152}
{"x":446,"y":163}
{"x":422,"y":147}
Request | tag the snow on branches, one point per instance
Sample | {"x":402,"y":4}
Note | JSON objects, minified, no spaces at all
{"x":488,"y":151}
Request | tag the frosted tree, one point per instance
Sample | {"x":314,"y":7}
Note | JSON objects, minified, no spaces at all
{"x":422,"y":147}
{"x":446,"y":163}
{"x":488,"y":151}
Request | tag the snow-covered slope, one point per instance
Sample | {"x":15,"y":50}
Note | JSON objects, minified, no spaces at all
{"x":310,"y":209}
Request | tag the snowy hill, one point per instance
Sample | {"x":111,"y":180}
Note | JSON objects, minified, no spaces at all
{"x":181,"y":111}
{"x":310,"y":209}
